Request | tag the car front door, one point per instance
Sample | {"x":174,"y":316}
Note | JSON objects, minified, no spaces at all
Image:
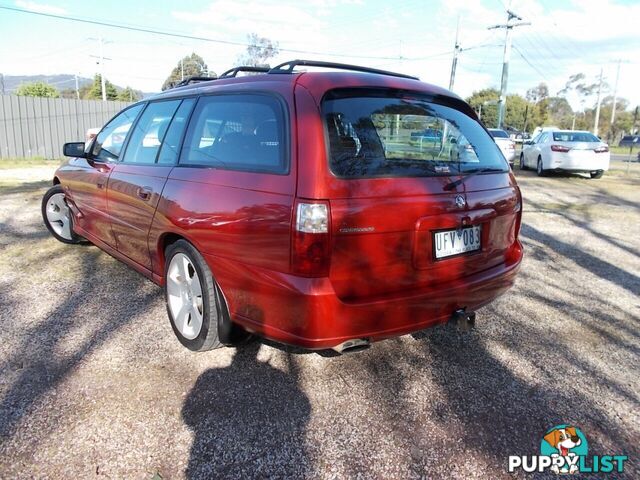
{"x":531,"y":152}
{"x":87,"y":178}
{"x":137,"y":180}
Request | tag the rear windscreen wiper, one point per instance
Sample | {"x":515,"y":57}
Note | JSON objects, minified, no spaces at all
{"x":471,"y":173}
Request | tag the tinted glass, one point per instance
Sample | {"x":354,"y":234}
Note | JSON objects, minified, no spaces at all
{"x":149,"y":132}
{"x":171,"y":144}
{"x":381,"y":134}
{"x":498,"y":133}
{"x":109,"y":142}
{"x":237,"y":132}
{"x":574,"y":137}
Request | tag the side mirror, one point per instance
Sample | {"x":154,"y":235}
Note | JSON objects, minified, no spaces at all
{"x":528,"y":142}
{"x":74,"y":149}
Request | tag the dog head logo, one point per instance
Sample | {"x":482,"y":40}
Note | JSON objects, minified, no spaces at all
{"x":564,"y":444}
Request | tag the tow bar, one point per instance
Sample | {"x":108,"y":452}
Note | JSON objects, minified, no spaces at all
{"x":463,"y":320}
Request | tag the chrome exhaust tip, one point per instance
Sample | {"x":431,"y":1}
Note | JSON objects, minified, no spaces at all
{"x":352,"y":346}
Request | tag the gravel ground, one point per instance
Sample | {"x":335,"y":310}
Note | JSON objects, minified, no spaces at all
{"x":94,"y":384}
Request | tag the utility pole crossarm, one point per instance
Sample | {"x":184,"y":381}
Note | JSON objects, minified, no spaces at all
{"x":509,"y":25}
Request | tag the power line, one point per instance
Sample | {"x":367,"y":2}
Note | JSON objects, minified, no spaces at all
{"x":184,"y":35}
{"x":529,"y":63}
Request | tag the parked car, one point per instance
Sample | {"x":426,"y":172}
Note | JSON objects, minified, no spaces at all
{"x":428,"y":135}
{"x":504,"y":142}
{"x":538,"y":130}
{"x":568,"y":151}
{"x":268,"y":204}
{"x":630,"y":141}
{"x":520,"y":137}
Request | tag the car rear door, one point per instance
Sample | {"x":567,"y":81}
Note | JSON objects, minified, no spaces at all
{"x":136,"y":182}
{"x":86,"y":181}
{"x":389,"y":201}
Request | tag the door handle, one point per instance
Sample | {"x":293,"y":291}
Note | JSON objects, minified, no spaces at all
{"x":144,"y":193}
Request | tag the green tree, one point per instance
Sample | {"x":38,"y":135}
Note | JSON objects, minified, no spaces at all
{"x":583,"y":87}
{"x":190,"y":66}
{"x":559,"y":112}
{"x":259,"y":51}
{"x":537,"y":94}
{"x":485,"y":103}
{"x":517,"y":112}
{"x":37,"y":89}
{"x":95,"y":92}
{"x":128,"y":94}
{"x":68,"y":93}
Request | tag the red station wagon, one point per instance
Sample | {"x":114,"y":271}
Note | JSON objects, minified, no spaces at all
{"x":298,"y":205}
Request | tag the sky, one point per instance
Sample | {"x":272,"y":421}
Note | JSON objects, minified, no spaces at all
{"x":415,"y":37}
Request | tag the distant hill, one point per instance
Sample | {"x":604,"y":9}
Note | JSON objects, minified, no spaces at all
{"x":61,"y":81}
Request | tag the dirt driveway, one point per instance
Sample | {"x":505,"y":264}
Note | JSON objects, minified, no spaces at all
{"x":93,"y":383}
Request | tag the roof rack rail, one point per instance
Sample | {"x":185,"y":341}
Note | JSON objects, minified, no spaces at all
{"x":194,"y":79}
{"x":287,"y":67}
{"x":233,"y":72}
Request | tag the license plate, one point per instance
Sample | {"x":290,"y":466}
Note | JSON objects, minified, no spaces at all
{"x":455,"y":242}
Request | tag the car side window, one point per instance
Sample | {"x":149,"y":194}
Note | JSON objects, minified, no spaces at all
{"x":543,"y":138}
{"x":149,"y":132}
{"x":171,"y":144}
{"x":237,"y":132}
{"x":108,"y":143}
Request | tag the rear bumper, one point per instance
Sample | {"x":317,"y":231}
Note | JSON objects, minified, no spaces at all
{"x":307,"y":312}
{"x":565,"y":163}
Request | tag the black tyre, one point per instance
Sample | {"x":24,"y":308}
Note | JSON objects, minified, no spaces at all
{"x":522,"y":165}
{"x":597,"y":174}
{"x":540,"y":168}
{"x":57,"y":216}
{"x":194,"y":303}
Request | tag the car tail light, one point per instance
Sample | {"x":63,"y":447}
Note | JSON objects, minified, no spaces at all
{"x":310,"y":255}
{"x":559,"y":148}
{"x":603,"y":149}
{"x":518,"y":211}
{"x":512,"y":146}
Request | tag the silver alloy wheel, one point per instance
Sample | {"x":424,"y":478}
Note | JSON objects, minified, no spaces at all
{"x":58,"y":215}
{"x":184,"y":293}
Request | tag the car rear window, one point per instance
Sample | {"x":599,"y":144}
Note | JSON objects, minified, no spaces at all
{"x":499,"y":134}
{"x":386,"y":133}
{"x":574,"y":137}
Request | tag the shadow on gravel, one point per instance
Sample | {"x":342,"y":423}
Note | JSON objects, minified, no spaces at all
{"x":499,"y":414}
{"x":595,"y":265}
{"x":40,"y":364}
{"x":26,"y":187}
{"x":249,"y":421}
{"x":563,"y":211}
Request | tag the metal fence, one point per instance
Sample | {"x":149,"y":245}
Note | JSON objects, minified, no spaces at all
{"x":37,"y":127}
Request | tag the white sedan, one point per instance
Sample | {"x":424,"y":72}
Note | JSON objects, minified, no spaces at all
{"x":504,"y":142}
{"x":566,"y":151}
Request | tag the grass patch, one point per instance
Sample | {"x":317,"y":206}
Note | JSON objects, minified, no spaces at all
{"x":624,"y":150}
{"x":32,"y":162}
{"x":620,"y":169}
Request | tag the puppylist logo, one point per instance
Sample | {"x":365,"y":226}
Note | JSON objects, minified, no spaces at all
{"x":564,"y":451}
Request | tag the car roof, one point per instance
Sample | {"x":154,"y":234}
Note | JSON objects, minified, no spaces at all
{"x":572,"y":131}
{"x":317,"y":82}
